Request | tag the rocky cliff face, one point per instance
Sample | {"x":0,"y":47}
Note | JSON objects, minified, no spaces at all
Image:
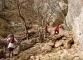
{"x":74,"y":18}
{"x":69,"y":11}
{"x":50,"y":10}
{"x":57,"y":11}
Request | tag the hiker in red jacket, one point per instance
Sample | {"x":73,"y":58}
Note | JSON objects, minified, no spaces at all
{"x":46,"y":30}
{"x":56,"y":30}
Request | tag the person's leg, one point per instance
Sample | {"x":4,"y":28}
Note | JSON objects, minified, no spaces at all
{"x":45,"y":33}
{"x":9,"y":51}
{"x":55,"y":32}
{"x":12,"y":51}
{"x":58,"y":31}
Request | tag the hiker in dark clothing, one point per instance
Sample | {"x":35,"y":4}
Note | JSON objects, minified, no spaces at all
{"x":11,"y":45}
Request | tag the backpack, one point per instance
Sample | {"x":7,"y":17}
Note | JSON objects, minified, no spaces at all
{"x":12,"y":40}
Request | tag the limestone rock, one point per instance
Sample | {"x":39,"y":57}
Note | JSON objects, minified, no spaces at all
{"x":58,"y":37}
{"x":80,"y":53}
{"x":69,"y":43}
{"x":58,"y":44}
{"x":64,"y":38}
{"x":74,"y":19}
{"x":59,"y":52}
{"x":63,"y":5}
{"x":26,"y":44}
{"x":46,"y":48}
{"x":24,"y":56}
{"x":51,"y":43}
{"x":64,"y":54}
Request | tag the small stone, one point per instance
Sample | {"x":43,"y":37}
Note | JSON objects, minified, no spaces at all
{"x":58,"y":44}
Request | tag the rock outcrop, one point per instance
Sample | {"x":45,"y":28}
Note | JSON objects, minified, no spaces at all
{"x":51,"y":11}
{"x":74,"y":19}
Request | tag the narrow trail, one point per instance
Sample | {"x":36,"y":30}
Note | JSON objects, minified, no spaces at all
{"x":6,"y":57}
{"x":38,"y":52}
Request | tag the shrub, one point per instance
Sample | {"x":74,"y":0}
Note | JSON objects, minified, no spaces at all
{"x":5,"y":28}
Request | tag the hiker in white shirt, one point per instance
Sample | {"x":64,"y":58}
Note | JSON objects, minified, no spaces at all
{"x":11,"y":45}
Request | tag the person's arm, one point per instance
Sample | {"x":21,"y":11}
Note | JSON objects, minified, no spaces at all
{"x":8,"y":39}
{"x":15,"y":40}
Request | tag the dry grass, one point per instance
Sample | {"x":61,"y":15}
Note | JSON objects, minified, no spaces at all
{"x":5,"y":28}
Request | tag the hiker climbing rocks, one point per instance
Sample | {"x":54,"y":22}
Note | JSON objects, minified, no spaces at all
{"x":56,"y":30}
{"x":46,"y":30}
{"x":11,"y":45}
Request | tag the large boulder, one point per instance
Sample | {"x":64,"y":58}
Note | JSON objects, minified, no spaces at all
{"x":51,"y":43}
{"x":23,"y":56}
{"x":26,"y":44}
{"x":58,"y":44}
{"x":69,"y":43}
{"x":46,"y":48}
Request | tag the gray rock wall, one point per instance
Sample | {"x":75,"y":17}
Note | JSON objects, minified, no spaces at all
{"x":69,"y":11}
{"x":50,"y":10}
{"x":74,"y":19}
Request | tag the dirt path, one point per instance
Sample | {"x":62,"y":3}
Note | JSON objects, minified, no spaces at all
{"x":6,"y":55}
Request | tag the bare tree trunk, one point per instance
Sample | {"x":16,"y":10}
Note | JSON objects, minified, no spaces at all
{"x":40,"y":25}
{"x":23,"y":19}
{"x":39,"y":28}
{"x":3,"y":5}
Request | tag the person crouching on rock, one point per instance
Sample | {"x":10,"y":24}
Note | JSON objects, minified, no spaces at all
{"x":11,"y":45}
